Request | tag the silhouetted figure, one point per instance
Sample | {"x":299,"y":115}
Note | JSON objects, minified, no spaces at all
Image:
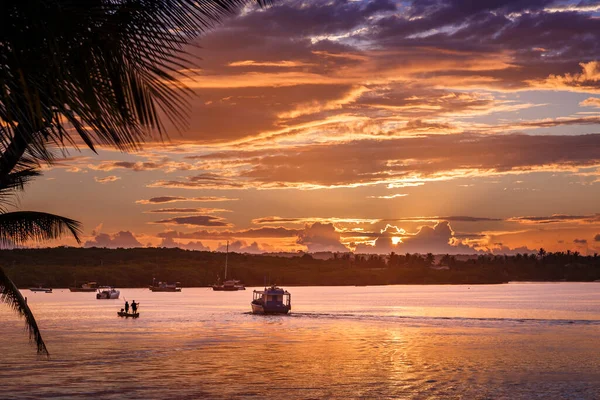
{"x":127,"y":306}
{"x":134,"y":306}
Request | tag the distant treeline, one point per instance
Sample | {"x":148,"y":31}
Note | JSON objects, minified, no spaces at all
{"x":63,"y":266}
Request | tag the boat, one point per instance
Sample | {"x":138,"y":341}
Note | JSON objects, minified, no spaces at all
{"x":84,"y":287}
{"x":272,"y":300}
{"x":128,"y":315}
{"x":107,"y":293}
{"x":165,"y":287}
{"x":231,"y":285}
{"x":41,"y":289}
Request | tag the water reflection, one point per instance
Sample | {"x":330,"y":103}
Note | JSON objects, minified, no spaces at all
{"x":509,"y":341}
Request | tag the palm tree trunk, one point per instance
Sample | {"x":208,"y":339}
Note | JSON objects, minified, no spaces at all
{"x":10,"y":294}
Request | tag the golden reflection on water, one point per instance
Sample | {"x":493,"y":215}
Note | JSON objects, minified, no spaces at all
{"x":338,"y":343}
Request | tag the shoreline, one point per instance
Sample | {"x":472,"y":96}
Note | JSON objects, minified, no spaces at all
{"x":373,"y":285}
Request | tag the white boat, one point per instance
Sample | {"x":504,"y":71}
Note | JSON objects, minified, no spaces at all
{"x":273,"y":300}
{"x":231,"y":285}
{"x":107,"y":293}
{"x":41,"y":289}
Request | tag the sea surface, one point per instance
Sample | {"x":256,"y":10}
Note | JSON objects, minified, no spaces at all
{"x":512,"y":341}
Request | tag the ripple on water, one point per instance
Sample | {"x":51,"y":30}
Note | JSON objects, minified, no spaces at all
{"x":397,"y":342}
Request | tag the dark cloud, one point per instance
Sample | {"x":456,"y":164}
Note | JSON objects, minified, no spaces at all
{"x":266,"y":232}
{"x":205,"y":180}
{"x":263,"y":66}
{"x":135,"y":166}
{"x":384,"y":161}
{"x":186,"y":210}
{"x":172,"y":199}
{"x":271,"y":220}
{"x":255,"y":112}
{"x":119,"y":239}
{"x":458,"y":218}
{"x":580,"y":241}
{"x":556,"y":218}
{"x":197,"y":220}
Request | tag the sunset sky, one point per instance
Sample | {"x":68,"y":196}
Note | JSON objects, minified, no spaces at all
{"x":372,"y":126}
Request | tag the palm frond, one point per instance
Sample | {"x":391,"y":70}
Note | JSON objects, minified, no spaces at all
{"x":11,"y":296}
{"x":14,"y":181}
{"x":96,"y":71}
{"x":17,"y":180}
{"x":19,"y":227}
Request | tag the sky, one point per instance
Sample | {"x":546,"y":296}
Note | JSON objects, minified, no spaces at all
{"x":449,"y":126}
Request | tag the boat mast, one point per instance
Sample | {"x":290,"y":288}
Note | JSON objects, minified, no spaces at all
{"x":226,"y":254}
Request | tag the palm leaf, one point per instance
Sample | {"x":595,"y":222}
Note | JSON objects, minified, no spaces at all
{"x":13,"y":182}
{"x":10,"y":295}
{"x":17,"y":180}
{"x":19,"y":227}
{"x":98,"y":72}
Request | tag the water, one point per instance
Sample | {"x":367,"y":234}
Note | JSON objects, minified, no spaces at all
{"x":527,"y":341}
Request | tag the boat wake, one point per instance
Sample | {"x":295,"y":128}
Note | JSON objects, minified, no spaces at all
{"x":444,"y":320}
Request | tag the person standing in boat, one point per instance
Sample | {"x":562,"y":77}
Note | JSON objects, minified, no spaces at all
{"x":127,"y":306}
{"x":134,"y":306}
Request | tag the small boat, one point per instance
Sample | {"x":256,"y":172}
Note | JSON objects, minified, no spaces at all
{"x":41,"y":289}
{"x":128,"y":315}
{"x":165,"y":287}
{"x":107,"y":293}
{"x":84,"y":287}
{"x":273,"y":300}
{"x":231,"y":285}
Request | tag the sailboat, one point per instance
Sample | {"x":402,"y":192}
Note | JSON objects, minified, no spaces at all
{"x":228,"y":285}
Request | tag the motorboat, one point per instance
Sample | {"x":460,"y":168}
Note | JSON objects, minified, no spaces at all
{"x":165,"y":287}
{"x":41,"y":289}
{"x":84,"y":287}
{"x":231,"y":285}
{"x":272,"y":300}
{"x":107,"y":293}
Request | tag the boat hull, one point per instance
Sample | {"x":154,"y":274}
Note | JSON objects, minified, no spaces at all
{"x":269,"y":310}
{"x":43,"y":290}
{"x":107,"y":296}
{"x":128,"y":315}
{"x":87,"y":290}
{"x":227,"y":288}
{"x":155,"y":289}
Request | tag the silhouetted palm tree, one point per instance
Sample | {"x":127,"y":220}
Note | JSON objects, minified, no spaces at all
{"x":18,"y":228}
{"x":95,"y":72}
{"x":86,"y":72}
{"x":429,"y":259}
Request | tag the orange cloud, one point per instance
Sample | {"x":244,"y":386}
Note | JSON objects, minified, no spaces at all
{"x":107,"y":179}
